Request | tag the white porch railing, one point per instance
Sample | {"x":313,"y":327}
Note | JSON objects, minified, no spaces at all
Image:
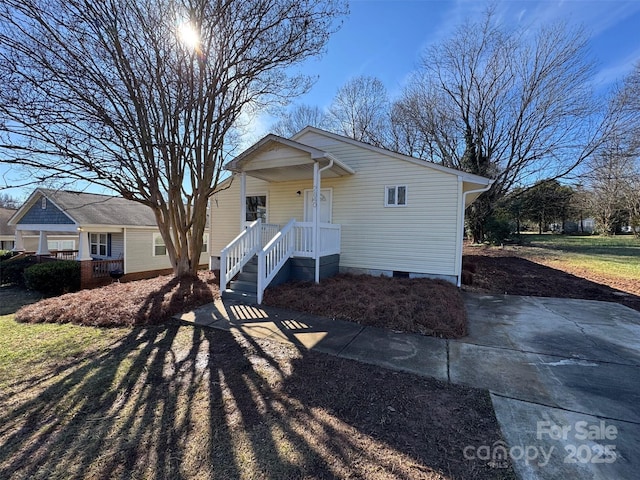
{"x":269,"y":230}
{"x":329,"y":239}
{"x":274,"y":246}
{"x":273,"y":256}
{"x":235,"y":255}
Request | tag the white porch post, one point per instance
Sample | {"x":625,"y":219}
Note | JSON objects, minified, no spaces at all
{"x":243,"y":200}
{"x":83,"y":246}
{"x":43,"y":247}
{"x":18,"y":241}
{"x":316,"y":219}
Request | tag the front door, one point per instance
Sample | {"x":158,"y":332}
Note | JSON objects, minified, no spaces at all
{"x":325,"y":205}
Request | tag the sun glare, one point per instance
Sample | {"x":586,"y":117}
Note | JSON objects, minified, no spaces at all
{"x":189,"y":36}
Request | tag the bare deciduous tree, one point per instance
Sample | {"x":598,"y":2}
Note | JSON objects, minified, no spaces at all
{"x":139,"y":96}
{"x":607,"y":179}
{"x":511,"y":105}
{"x":360,"y":110}
{"x":7,"y":201}
{"x":298,"y":117}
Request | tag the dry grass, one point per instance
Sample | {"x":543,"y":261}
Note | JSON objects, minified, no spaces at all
{"x":178,"y":402}
{"x":429,"y":307}
{"x":144,"y":302}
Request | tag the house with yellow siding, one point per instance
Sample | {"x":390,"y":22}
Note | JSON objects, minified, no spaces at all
{"x":319,"y":203}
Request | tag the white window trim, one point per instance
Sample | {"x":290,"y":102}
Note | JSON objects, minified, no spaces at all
{"x":99,"y":244}
{"x":266,"y":204}
{"x":205,"y":243}
{"x":395,"y":205}
{"x":153,"y":245}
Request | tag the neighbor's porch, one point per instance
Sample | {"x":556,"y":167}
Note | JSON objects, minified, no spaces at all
{"x":99,"y":253}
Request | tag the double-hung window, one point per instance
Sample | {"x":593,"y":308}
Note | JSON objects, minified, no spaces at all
{"x":159,"y":248}
{"x":395,"y":196}
{"x":98,"y":243}
{"x":256,"y":208}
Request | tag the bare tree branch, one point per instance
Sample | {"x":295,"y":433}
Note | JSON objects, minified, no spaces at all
{"x":109,"y":93}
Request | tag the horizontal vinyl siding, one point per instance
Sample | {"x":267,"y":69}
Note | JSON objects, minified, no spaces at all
{"x":225,"y":212}
{"x":140,"y":252}
{"x":117,"y":245}
{"x":420,"y":237}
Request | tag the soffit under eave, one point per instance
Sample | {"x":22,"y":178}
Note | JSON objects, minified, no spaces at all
{"x":277,"y":161}
{"x":294,"y":173}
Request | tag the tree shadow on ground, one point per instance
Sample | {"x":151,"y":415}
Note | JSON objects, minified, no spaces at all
{"x":518,"y":276}
{"x":191,"y":402}
{"x":12,"y":298}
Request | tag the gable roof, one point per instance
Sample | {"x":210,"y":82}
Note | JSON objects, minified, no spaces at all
{"x":296,"y":164}
{"x":91,"y":209}
{"x":466,"y":177}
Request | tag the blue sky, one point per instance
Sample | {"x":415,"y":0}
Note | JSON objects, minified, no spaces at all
{"x":384,"y":38}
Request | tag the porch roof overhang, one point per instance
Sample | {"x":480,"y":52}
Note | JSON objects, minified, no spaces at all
{"x":277,"y":159}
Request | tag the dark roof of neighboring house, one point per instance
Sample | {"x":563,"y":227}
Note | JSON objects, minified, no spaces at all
{"x":5,"y":215}
{"x":95,"y":209}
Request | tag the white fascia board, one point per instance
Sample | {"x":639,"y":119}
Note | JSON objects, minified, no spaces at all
{"x":467,"y":177}
{"x":31,"y":227}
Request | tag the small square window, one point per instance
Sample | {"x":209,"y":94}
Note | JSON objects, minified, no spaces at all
{"x":395,"y":196}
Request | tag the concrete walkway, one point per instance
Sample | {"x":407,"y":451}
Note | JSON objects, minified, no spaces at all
{"x":564,"y":375}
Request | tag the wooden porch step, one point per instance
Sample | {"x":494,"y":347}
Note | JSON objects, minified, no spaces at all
{"x":251,"y":266}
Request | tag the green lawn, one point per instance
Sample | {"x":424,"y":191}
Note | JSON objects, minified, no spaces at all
{"x":617,"y":256}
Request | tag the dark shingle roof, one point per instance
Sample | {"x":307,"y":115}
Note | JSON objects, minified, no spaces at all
{"x":5,"y":215}
{"x":95,"y":209}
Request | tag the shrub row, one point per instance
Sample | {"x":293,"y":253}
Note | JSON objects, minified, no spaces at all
{"x":51,"y":278}
{"x":12,"y":271}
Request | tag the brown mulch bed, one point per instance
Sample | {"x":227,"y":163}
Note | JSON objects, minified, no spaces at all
{"x":426,"y":306}
{"x":498,"y":271}
{"x":143,"y":302}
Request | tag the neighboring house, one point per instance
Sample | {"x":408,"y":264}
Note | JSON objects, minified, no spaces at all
{"x":370,"y":210}
{"x":586,"y":225}
{"x":109,"y":233}
{"x":30,"y":242}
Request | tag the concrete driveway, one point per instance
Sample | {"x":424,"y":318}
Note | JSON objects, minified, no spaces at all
{"x":564,"y":377}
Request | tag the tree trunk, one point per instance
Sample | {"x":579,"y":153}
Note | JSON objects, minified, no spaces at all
{"x":477,"y":215}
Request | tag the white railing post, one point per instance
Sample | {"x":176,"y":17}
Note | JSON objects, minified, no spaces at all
{"x":273,"y":256}
{"x":236,"y":255}
{"x":261,"y":274}
{"x":223,"y":270}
